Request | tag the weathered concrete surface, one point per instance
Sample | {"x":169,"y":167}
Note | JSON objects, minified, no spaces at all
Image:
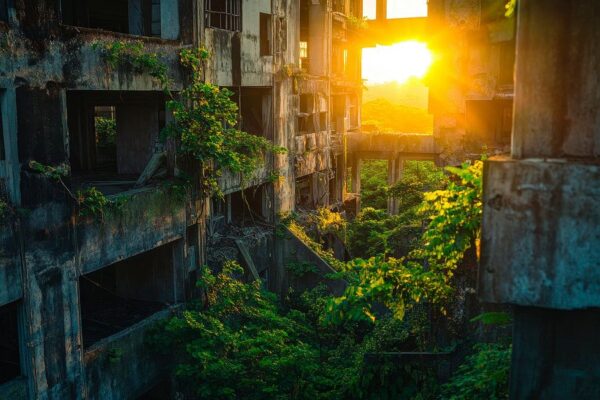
{"x":123,"y":366}
{"x":540,"y":233}
{"x":147,"y":220}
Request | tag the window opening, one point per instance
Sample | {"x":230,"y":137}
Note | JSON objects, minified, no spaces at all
{"x":125,"y":293}
{"x":223,"y":14}
{"x":113,"y":136}
{"x":10,"y":359}
{"x":266,"y":38}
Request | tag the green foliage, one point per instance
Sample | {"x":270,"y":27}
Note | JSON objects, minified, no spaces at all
{"x":133,"y":55}
{"x":106,"y":131}
{"x":53,"y":172}
{"x":204,"y":125}
{"x":239,"y":344}
{"x":510,"y":6}
{"x":484,"y":375}
{"x":373,"y":184}
{"x":90,"y":201}
{"x":242,"y":343}
{"x":394,"y":283}
{"x":301,"y":268}
{"x":493,"y":318}
{"x":454,"y":216}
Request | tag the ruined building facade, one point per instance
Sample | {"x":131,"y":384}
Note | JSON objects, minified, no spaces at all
{"x":78,"y":293}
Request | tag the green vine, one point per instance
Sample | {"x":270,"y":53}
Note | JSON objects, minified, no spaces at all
{"x":90,"y":201}
{"x":205,"y":127}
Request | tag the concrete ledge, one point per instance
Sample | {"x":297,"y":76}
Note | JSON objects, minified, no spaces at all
{"x":148,"y":219}
{"x":541,"y":233}
{"x":121,"y":366}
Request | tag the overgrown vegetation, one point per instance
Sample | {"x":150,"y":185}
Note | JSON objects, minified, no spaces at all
{"x":240,"y":341}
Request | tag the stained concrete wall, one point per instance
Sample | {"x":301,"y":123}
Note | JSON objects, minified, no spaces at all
{"x":47,"y":247}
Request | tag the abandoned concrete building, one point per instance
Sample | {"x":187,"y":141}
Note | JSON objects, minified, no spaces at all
{"x":77,"y":294}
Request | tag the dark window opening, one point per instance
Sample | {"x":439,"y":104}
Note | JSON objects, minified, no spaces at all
{"x":125,"y":293}
{"x":10,"y":359}
{"x":4,"y":10}
{"x":160,"y":391}
{"x":256,"y":111}
{"x":489,"y":122}
{"x":266,"y":35}
{"x":304,"y":195}
{"x":333,"y":192}
{"x":223,"y":14}
{"x":113,"y":136}
{"x":248,"y":206}
{"x":133,"y":17}
{"x":507,"y":63}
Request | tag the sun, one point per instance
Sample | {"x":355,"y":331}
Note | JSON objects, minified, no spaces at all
{"x":398,"y":62}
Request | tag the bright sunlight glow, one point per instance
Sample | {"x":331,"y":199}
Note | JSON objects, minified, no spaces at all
{"x":399,"y":62}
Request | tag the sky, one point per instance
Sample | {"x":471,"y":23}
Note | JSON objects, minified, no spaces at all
{"x":397,"y":8}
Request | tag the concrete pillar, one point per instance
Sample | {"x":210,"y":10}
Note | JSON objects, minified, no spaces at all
{"x":395,"y":172}
{"x":10,"y":166}
{"x":317,"y":39}
{"x":541,"y":237}
{"x":356,"y":164}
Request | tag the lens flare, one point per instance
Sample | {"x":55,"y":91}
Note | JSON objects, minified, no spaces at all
{"x":398,"y":62}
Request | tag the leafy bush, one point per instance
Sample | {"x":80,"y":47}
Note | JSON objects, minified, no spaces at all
{"x":484,"y":375}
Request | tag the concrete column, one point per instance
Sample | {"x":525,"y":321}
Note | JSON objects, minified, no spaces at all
{"x":540,"y":236}
{"x":391,"y":180}
{"x":356,"y":164}
{"x":317,"y":39}
{"x":8,"y":105}
{"x":395,"y":172}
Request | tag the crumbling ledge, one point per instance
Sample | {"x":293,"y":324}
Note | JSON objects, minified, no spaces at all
{"x":121,"y":366}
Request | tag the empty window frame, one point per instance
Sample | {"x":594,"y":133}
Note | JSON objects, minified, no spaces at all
{"x":140,"y":17}
{"x":125,"y":293}
{"x":113,"y":136}
{"x":266,"y":35}
{"x":223,"y":14}
{"x":10,"y":357}
{"x":249,"y":205}
{"x":4,"y":10}
{"x":256,"y":111}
